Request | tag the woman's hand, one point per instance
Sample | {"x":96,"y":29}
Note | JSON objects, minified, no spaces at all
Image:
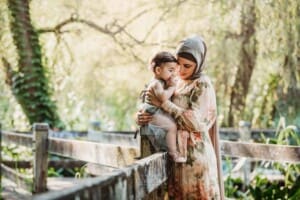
{"x":143,"y":118}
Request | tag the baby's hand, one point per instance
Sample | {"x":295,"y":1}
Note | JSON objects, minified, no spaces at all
{"x":172,"y":82}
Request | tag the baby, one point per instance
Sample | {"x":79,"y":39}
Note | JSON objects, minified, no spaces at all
{"x":163,"y":65}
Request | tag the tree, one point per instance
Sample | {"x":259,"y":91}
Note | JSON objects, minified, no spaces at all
{"x":245,"y":69}
{"x":288,"y":90}
{"x":29,"y":82}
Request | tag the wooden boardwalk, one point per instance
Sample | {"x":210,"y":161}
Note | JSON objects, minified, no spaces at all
{"x":11,"y":191}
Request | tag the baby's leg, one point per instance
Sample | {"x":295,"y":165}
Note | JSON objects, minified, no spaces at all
{"x":169,"y":125}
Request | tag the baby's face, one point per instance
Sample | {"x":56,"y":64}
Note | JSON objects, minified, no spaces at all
{"x":166,"y":71}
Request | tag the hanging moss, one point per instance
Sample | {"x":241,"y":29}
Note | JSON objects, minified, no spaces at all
{"x":29,"y":83}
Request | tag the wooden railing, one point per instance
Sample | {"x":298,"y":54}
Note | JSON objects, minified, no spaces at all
{"x":134,"y":179}
{"x":143,"y":177}
{"x":132,"y":182}
{"x":92,"y":152}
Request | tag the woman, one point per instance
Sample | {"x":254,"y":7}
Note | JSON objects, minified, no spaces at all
{"x":193,"y":107}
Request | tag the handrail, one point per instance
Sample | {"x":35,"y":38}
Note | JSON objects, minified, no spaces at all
{"x":143,"y":176}
{"x":94,"y":152}
{"x":132,"y":182}
{"x":17,"y":138}
{"x":259,"y":151}
{"x":149,"y":173}
{"x":99,"y":153}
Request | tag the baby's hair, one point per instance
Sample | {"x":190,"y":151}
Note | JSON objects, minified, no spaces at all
{"x":161,"y":58}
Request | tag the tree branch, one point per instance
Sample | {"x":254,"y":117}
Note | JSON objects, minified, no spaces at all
{"x":58,"y":28}
{"x":159,"y":20}
{"x":108,"y":28}
{"x":130,"y":51}
{"x":114,"y":28}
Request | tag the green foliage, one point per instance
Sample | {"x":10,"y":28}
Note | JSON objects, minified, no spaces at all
{"x":63,"y":172}
{"x":14,"y":152}
{"x":286,"y":135}
{"x":83,"y":64}
{"x":29,"y":82}
{"x":81,"y":172}
{"x":233,"y":187}
{"x":263,"y":188}
{"x":120,"y":104}
{"x":277,"y":77}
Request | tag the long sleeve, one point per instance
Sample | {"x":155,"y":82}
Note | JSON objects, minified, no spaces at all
{"x":210,"y":105}
{"x":201,"y":112}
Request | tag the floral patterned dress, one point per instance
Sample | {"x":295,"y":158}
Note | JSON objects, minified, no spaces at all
{"x":194,"y":108}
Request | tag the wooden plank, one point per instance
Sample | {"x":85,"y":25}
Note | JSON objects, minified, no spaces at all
{"x":18,"y":164}
{"x":56,"y":164}
{"x":98,"y":153}
{"x":113,"y":183}
{"x":144,"y":176}
{"x":17,"y":138}
{"x":116,"y":138}
{"x":150,"y":173}
{"x":272,"y":152}
{"x":40,"y":154}
{"x":131,"y":182}
{"x":234,"y":134}
{"x":225,"y":133}
{"x":98,"y":170}
{"x":21,"y":180}
{"x":61,"y":183}
{"x":25,"y":139}
{"x":146,"y":150}
{"x":11,"y":191}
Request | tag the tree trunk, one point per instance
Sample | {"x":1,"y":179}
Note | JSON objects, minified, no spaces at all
{"x":29,"y":82}
{"x":248,"y":53}
{"x":288,"y":104}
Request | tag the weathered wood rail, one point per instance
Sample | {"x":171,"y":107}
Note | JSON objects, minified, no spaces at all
{"x":135,"y":179}
{"x":132,"y":182}
{"x":94,"y":152}
{"x":106,"y":154}
{"x":38,"y":141}
{"x":143,"y":177}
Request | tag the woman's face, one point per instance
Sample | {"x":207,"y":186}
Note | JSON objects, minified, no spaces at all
{"x":186,"y":68}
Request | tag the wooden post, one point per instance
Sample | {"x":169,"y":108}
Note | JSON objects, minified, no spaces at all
{"x":40,"y":153}
{"x":245,"y":131}
{"x":147,"y":149}
{"x":245,"y":136}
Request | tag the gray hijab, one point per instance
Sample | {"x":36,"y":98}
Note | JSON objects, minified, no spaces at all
{"x":196,"y":47}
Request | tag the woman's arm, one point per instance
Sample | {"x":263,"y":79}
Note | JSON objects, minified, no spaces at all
{"x":202,"y":112}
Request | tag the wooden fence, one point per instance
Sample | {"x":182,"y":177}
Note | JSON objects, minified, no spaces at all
{"x":106,"y":154}
{"x":134,"y":179}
